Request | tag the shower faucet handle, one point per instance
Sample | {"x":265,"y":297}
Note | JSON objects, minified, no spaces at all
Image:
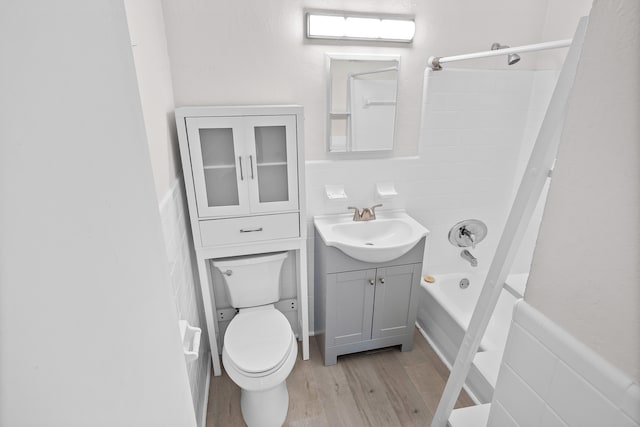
{"x":464,"y":231}
{"x":467,"y":233}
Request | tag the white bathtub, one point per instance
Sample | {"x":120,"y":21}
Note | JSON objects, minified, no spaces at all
{"x":444,"y":313}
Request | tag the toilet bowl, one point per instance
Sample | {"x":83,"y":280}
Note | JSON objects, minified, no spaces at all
{"x":260,"y":349}
{"x":259,"y":353}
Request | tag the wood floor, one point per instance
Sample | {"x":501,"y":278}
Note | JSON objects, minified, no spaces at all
{"x":375,"y":388}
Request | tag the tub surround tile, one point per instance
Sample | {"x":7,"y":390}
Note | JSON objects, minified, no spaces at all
{"x":547,"y":371}
{"x":499,"y":417}
{"x":578,"y":402}
{"x":518,"y":399}
{"x":629,"y":403}
{"x":551,"y":419}
{"x":518,"y":357}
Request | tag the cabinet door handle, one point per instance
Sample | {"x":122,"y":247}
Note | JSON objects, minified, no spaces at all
{"x":241,"y":174}
{"x":250,"y":230}
{"x":382,"y":280}
{"x":372,"y":282}
{"x":251,"y":160}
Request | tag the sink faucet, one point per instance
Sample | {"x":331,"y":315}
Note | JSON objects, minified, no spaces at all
{"x":368,"y":214}
{"x":465,"y":254}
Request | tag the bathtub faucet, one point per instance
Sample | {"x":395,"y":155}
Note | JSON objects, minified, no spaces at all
{"x":465,"y":254}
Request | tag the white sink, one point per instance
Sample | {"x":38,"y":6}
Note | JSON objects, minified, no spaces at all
{"x":391,"y":235}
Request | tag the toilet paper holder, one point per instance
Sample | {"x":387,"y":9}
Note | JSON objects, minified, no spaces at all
{"x":190,"y":340}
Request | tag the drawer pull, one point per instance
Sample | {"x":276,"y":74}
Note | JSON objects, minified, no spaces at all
{"x":250,"y":230}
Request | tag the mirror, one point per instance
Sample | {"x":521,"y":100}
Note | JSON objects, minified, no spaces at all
{"x":361,"y":100}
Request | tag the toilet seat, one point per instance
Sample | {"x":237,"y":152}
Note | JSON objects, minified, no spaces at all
{"x":258,"y":341}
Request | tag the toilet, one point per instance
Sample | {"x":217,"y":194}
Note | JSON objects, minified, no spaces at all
{"x":259,"y":348}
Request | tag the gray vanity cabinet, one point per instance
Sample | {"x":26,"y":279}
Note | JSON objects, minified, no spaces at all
{"x":362,"y":306}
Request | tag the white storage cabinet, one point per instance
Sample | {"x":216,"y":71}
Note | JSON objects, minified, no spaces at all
{"x":244,"y":179}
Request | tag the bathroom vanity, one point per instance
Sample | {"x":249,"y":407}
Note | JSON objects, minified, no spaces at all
{"x":244,"y":179}
{"x":362,"y":305}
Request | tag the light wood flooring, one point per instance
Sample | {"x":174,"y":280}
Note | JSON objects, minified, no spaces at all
{"x":376,"y":388}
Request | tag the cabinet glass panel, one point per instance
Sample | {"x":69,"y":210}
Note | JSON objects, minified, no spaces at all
{"x":271,"y":163}
{"x":218,"y":158}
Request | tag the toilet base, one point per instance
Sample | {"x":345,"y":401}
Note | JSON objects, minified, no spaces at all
{"x":265,"y":408}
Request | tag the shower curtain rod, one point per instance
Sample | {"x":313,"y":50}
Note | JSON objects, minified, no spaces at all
{"x":435,"y":62}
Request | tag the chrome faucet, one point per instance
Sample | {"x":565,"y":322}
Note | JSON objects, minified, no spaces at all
{"x":368,"y":214}
{"x":464,"y":231}
{"x":465,"y":254}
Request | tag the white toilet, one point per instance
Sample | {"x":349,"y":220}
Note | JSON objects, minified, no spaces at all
{"x":260,"y":348}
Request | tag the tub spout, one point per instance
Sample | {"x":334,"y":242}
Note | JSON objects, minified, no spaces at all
{"x":465,"y":254}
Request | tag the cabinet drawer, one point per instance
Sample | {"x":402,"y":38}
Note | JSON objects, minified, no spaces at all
{"x":250,"y":229}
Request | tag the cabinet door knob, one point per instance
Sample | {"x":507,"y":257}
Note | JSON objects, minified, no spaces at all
{"x":382,"y":280}
{"x":251,"y":164}
{"x":372,"y":282}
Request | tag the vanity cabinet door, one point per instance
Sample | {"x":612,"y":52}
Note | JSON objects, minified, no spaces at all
{"x":349,"y":307}
{"x":219,"y":165}
{"x":272,"y":158}
{"x":395,"y":301}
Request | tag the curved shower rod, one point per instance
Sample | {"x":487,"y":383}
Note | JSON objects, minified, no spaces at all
{"x":435,"y":62}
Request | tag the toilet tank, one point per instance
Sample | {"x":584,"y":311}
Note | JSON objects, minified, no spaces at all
{"x":252,"y":280}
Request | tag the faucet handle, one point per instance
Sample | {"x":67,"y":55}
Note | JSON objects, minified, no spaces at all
{"x":356,"y":213}
{"x":464,"y":231}
{"x":467,"y":233}
{"x":373,"y":210}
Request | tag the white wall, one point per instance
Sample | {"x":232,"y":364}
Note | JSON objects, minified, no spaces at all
{"x":149,"y":46}
{"x":255,"y":52}
{"x":585,"y":272}
{"x":89,"y":335}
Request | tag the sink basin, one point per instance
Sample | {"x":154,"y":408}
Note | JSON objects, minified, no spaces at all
{"x":388,"y":237}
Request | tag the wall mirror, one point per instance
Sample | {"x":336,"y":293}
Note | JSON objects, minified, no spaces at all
{"x":361,"y":100}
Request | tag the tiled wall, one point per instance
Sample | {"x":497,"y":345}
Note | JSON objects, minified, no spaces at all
{"x":471,"y":150}
{"x":186,"y":287}
{"x":549,"y":378}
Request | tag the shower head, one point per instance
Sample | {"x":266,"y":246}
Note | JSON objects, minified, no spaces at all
{"x":512,"y":58}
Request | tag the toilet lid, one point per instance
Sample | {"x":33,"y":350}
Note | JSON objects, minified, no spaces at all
{"x":257,"y":341}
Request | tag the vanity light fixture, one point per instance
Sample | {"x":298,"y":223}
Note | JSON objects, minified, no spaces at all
{"x":343,"y":26}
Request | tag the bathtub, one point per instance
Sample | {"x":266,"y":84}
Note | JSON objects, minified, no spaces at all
{"x":444,"y":312}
